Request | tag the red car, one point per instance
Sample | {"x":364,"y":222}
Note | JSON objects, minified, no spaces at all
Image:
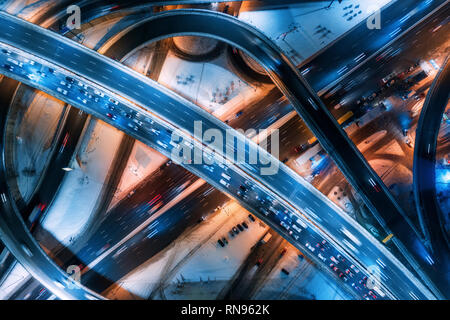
{"x":300,"y":148}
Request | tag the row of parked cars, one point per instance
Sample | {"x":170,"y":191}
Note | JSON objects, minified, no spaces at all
{"x":235,"y":231}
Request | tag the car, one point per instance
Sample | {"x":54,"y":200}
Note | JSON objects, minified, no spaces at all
{"x":8,"y":67}
{"x":243,"y":188}
{"x":231,"y":233}
{"x":285,"y":271}
{"x":356,"y":287}
{"x":113,"y":101}
{"x":285,"y":225}
{"x":310,"y":247}
{"x":238,"y":114}
{"x":405,"y":132}
{"x":285,"y":160}
{"x":82,"y":100}
{"x":320,"y":246}
{"x":372,"y":295}
{"x":221,"y":243}
{"x":354,"y":268}
{"x":301,"y":257}
{"x":60,"y":90}
{"x":241,"y":194}
{"x":70,"y":80}
{"x":348,"y":272}
{"x":334,"y":259}
{"x":300,"y":148}
{"x":235,"y":230}
{"x":264,"y":211}
{"x":201,"y":219}
{"x":252,"y":218}
{"x":259,"y":262}
{"x":245,"y":225}
{"x":241,"y":228}
{"x":111,"y":116}
{"x":225,"y":240}
{"x":342,"y":276}
{"x":340,"y":258}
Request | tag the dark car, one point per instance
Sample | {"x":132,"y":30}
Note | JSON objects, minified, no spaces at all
{"x":241,"y":228}
{"x":8,"y":67}
{"x":243,"y":188}
{"x":235,"y":230}
{"x":221,"y":243}
{"x":263,"y":211}
{"x":285,"y":271}
{"x":225,"y":240}
{"x":70,"y":80}
{"x":239,"y":114}
{"x":245,"y":225}
{"x":252,"y":218}
{"x":300,"y":148}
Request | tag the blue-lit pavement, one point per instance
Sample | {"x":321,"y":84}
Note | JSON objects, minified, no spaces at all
{"x":135,"y":122}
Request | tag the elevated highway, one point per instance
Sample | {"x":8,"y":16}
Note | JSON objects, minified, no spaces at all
{"x":90,"y":69}
{"x":430,"y":213}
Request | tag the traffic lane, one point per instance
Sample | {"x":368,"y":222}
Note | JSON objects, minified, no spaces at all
{"x":412,"y":45}
{"x":399,"y":55}
{"x":425,"y":160}
{"x":255,"y":265}
{"x":207,"y":123}
{"x":55,"y":173}
{"x":156,"y":237}
{"x":305,"y":108}
{"x":237,"y":181}
{"x":119,"y":214}
{"x":335,"y":61}
{"x":134,"y":210}
{"x":374,"y":262}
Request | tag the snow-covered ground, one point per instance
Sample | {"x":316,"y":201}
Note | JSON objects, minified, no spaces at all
{"x":303,"y":282}
{"x":304,"y":29}
{"x":17,"y":276}
{"x":37,"y":119}
{"x":195,"y":256}
{"x":142,"y":162}
{"x":81,"y":188}
{"x":211,"y":85}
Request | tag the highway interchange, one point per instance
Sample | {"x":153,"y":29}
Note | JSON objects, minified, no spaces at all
{"x":136,"y":122}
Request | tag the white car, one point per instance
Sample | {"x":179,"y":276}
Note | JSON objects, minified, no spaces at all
{"x":60,"y":90}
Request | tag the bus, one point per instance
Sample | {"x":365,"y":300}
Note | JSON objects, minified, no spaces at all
{"x":345,"y":117}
